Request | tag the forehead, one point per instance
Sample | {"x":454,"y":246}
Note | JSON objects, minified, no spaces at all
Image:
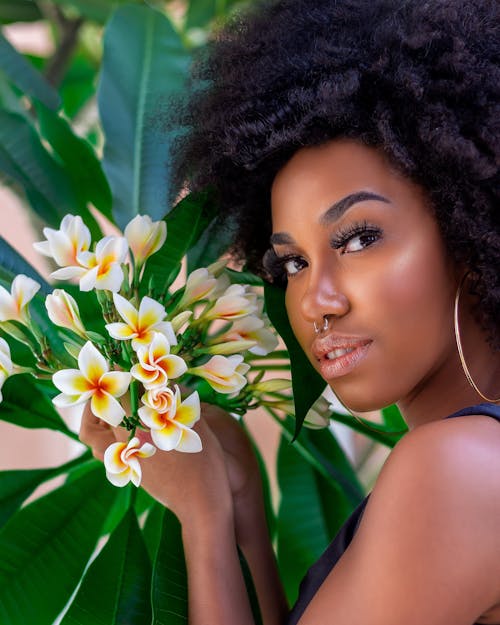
{"x":317,"y":177}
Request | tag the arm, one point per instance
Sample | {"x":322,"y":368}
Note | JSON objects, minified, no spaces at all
{"x":201,"y":490}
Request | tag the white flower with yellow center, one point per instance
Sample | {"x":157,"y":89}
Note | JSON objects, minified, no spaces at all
{"x":224,"y":374}
{"x":171,"y":419}
{"x":252,"y":329}
{"x":234,"y":304}
{"x":200,"y":284}
{"x":64,"y":245}
{"x":121,"y":461}
{"x":156,"y":364}
{"x":63,"y":311}
{"x":13,"y":305}
{"x":100,"y":269}
{"x":140,"y":325}
{"x":93,"y":381}
{"x":145,"y":237}
{"x":6,"y":366}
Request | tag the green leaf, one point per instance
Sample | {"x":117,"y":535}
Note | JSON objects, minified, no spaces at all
{"x":19,"y":11}
{"x":95,"y":10}
{"x":12,"y":264}
{"x":81,"y":165}
{"x":307,"y":384}
{"x":144,"y":65}
{"x":26,"y":406}
{"x":185,"y":223}
{"x":17,"y":486}
{"x":310,"y":513}
{"x":202,"y":12}
{"x":115,"y":589}
{"x":152,"y":530}
{"x":46,"y":546}
{"x":25,"y":76}
{"x":169,"y":586}
{"x":26,"y":160}
{"x":211,"y":245}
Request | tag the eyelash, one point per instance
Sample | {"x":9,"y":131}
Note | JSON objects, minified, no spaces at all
{"x":275,"y":264}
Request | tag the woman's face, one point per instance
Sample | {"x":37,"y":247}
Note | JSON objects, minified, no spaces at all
{"x":360,"y":245}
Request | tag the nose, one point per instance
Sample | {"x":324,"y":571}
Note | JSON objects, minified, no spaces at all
{"x":323,"y":297}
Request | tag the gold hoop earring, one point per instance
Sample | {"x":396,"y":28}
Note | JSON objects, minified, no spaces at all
{"x":459,"y":345}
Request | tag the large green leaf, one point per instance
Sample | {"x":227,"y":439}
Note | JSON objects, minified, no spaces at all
{"x":95,"y":10}
{"x":307,"y":384}
{"x":25,"y":76}
{"x":144,"y":65}
{"x":310,"y":513}
{"x":12,"y":264}
{"x":17,"y":486}
{"x":116,"y":586}
{"x":169,"y":586}
{"x":202,"y":12}
{"x":185,"y":223}
{"x":80,"y":163}
{"x":46,"y":546}
{"x":24,"y":158}
{"x":25,"y":405}
{"x":19,"y":11}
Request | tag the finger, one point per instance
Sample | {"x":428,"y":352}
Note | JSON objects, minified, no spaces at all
{"x":95,"y":433}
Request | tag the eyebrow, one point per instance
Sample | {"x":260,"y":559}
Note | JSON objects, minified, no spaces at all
{"x":333,"y":213}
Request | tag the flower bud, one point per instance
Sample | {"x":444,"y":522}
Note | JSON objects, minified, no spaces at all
{"x":63,"y":311}
{"x":145,"y":237}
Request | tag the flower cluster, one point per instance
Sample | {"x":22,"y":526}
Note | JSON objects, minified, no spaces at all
{"x":149,"y":359}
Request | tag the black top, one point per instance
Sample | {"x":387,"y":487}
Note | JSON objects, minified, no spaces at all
{"x":320,"y":570}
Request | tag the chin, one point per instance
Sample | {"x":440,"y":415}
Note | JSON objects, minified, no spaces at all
{"x":358,"y":400}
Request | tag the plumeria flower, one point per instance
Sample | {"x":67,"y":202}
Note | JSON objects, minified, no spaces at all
{"x":234,"y":304}
{"x":64,"y":245}
{"x":171,"y":419}
{"x":156,"y":364}
{"x":318,"y":415}
{"x":140,"y":325}
{"x":100,"y":269}
{"x":121,"y":461}
{"x":93,"y":381}
{"x":13,"y":305}
{"x":224,"y":374}
{"x":145,"y":237}
{"x":63,"y":311}
{"x":6,"y":366}
{"x":252,"y":329}
{"x":200,"y":284}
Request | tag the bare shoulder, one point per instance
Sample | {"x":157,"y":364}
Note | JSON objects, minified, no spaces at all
{"x":428,"y":548}
{"x":455,"y":456}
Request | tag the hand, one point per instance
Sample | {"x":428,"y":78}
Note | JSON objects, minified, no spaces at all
{"x":223,"y":477}
{"x":189,"y":484}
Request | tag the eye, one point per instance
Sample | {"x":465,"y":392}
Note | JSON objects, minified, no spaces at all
{"x":292,"y":265}
{"x":356,"y":237}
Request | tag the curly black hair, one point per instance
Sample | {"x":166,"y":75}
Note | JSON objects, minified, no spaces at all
{"x":418,"y":79}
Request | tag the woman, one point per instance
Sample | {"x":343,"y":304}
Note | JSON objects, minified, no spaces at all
{"x":360,"y":140}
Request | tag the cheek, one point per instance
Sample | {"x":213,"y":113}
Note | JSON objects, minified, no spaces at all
{"x":417,"y":293}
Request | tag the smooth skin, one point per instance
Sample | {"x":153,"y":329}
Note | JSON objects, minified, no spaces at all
{"x":428,"y":548}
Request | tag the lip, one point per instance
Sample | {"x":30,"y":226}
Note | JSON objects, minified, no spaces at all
{"x":342,"y":364}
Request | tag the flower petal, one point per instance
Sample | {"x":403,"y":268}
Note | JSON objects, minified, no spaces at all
{"x":174,"y":366}
{"x":126,"y":310}
{"x":120,"y":479}
{"x":71,"y":382}
{"x":107,"y":408}
{"x":150,"y":417}
{"x":151,"y":313}
{"x":23,"y":290}
{"x":168,"y":437}
{"x":189,"y":441}
{"x":92,"y":363}
{"x":113,"y":458}
{"x":67,"y":273}
{"x":188,"y":413}
{"x":8,"y":308}
{"x":111,"y":279}
{"x":64,"y":401}
{"x":88,"y":279}
{"x":120,"y":331}
{"x":115,"y":383}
